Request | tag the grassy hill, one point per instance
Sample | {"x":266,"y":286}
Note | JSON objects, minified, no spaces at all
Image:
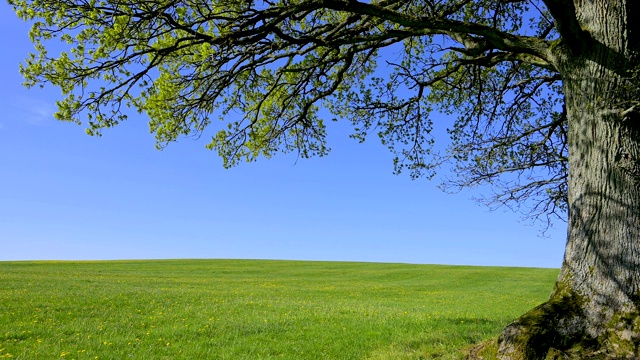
{"x":253,"y":309}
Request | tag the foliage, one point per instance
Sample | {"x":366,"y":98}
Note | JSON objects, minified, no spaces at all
{"x":233,"y":309}
{"x":266,"y":68}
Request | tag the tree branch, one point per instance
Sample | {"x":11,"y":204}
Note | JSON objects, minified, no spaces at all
{"x":564,"y":14}
{"x":458,"y":30}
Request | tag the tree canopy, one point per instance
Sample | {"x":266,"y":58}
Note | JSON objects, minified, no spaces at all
{"x":266,"y":68}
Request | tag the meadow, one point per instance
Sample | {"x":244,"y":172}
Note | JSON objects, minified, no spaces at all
{"x":255,"y":309}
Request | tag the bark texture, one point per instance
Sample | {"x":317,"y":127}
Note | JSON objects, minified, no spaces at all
{"x":594,"y":311}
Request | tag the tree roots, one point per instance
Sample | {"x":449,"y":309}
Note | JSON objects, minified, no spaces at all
{"x":557,"y":330}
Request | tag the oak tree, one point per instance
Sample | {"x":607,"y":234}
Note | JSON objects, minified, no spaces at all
{"x":544,"y":92}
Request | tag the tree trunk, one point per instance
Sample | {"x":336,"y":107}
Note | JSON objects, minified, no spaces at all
{"x":594,"y":310}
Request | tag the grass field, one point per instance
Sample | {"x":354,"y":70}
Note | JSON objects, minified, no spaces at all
{"x":235,"y":309}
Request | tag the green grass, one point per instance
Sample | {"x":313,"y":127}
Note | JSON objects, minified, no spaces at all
{"x":235,"y":309}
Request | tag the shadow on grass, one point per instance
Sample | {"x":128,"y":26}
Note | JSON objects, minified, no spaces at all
{"x":450,"y":338}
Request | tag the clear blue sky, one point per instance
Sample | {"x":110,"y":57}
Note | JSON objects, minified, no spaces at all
{"x":66,"y":195}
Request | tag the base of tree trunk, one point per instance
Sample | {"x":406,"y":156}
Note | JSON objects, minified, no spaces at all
{"x":558,"y":329}
{"x":482,"y":351}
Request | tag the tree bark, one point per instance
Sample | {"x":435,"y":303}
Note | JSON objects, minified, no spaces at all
{"x":594,"y":310}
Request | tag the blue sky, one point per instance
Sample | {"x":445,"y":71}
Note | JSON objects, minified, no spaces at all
{"x":66,"y":195}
